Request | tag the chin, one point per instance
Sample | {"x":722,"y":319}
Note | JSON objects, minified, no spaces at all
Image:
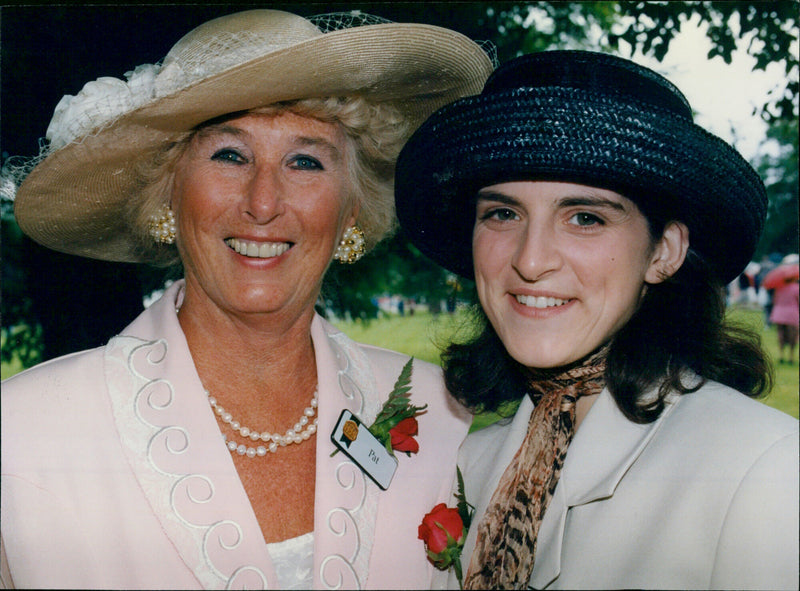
{"x":538,"y":361}
{"x":535,"y":352}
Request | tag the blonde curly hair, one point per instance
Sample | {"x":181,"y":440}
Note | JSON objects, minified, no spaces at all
{"x":374,"y":132}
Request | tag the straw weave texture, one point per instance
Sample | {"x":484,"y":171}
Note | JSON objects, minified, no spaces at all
{"x":651,"y":153}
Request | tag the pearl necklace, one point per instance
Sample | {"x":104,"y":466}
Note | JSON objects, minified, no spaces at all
{"x":302,"y":430}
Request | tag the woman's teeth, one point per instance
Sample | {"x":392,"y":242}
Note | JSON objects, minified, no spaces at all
{"x":540,"y":302}
{"x":261,"y":250}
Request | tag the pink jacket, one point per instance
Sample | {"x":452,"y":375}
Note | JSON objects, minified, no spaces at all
{"x":785,"y":305}
{"x":114,"y":473}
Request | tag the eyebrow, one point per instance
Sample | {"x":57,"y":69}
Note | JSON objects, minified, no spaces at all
{"x":570,"y":201}
{"x":499,"y":197}
{"x":591,"y":201}
{"x":217,"y":128}
{"x":321,"y":142}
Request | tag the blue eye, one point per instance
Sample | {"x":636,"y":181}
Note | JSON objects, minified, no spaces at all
{"x":229,"y":155}
{"x":306,"y":163}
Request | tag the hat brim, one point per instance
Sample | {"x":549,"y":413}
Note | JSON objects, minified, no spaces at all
{"x":663,"y":162}
{"x":73,"y":200}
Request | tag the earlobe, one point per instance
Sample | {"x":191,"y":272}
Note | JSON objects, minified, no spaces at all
{"x":669,"y":253}
{"x":355,"y":210}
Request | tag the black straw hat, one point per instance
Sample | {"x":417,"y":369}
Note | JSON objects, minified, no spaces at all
{"x":586,"y":118}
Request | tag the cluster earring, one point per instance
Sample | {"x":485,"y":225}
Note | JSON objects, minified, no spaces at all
{"x":162,"y":226}
{"x":352,"y":246}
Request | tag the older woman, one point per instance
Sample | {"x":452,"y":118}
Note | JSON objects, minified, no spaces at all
{"x":196,"y":449}
{"x":600,"y":225}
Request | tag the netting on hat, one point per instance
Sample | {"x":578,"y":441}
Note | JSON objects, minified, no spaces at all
{"x":227,"y":49}
{"x":11,"y":173}
{"x":214,"y":55}
{"x":101,"y":102}
{"x":97,"y":106}
{"x":14,"y":170}
{"x":334,"y":21}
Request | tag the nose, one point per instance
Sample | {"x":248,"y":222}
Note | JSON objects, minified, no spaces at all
{"x":265,"y":193}
{"x":537,"y":254}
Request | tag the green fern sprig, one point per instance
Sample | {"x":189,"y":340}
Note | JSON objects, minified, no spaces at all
{"x":396,"y":408}
{"x":465,"y":509}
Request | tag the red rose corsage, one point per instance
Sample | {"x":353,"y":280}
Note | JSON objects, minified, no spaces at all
{"x":396,"y":423}
{"x":444,"y":530}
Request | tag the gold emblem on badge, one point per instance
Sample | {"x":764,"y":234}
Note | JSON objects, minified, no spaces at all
{"x":350,"y":430}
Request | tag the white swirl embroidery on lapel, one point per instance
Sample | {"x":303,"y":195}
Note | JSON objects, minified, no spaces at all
{"x":248,"y":577}
{"x":354,"y":522}
{"x":154,"y":440}
{"x":341,"y":523}
{"x":340,"y":520}
{"x":184,"y":486}
{"x":337,"y":565}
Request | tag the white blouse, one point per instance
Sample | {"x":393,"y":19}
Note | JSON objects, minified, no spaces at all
{"x":293,"y":560}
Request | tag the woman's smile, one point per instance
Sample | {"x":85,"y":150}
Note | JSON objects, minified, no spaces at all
{"x":260,"y":250}
{"x":540,"y":302}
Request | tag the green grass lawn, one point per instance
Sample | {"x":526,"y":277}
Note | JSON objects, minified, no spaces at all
{"x":784,"y":395}
{"x":9,"y":369}
{"x":418,"y":335}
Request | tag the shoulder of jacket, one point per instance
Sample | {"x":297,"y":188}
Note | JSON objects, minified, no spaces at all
{"x":73,"y":362}
{"x":734,"y":408}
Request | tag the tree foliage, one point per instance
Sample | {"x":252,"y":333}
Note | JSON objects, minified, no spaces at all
{"x":770,"y":30}
{"x":21,"y":333}
{"x":780,"y":174}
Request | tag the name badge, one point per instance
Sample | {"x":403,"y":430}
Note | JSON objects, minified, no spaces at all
{"x":353,"y":438}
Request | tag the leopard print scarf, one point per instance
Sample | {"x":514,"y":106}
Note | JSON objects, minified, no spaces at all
{"x":506,"y":541}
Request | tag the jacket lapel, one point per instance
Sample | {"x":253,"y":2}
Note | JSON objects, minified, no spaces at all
{"x":346,"y":501}
{"x":600,"y":454}
{"x":604,"y":448}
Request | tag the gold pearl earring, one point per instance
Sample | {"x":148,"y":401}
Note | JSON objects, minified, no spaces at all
{"x":162,"y":226}
{"x":352,"y":246}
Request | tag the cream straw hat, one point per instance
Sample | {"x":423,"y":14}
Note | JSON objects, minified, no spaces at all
{"x":72,"y":201}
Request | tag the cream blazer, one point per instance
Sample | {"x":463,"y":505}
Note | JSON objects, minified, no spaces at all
{"x":115,"y":475}
{"x":704,"y":497}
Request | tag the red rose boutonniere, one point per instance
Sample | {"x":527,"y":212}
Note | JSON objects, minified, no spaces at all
{"x":444,"y":530}
{"x":402,"y":436}
{"x":396,"y":423}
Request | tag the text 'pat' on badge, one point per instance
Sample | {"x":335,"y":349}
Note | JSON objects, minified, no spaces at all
{"x":353,"y":438}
